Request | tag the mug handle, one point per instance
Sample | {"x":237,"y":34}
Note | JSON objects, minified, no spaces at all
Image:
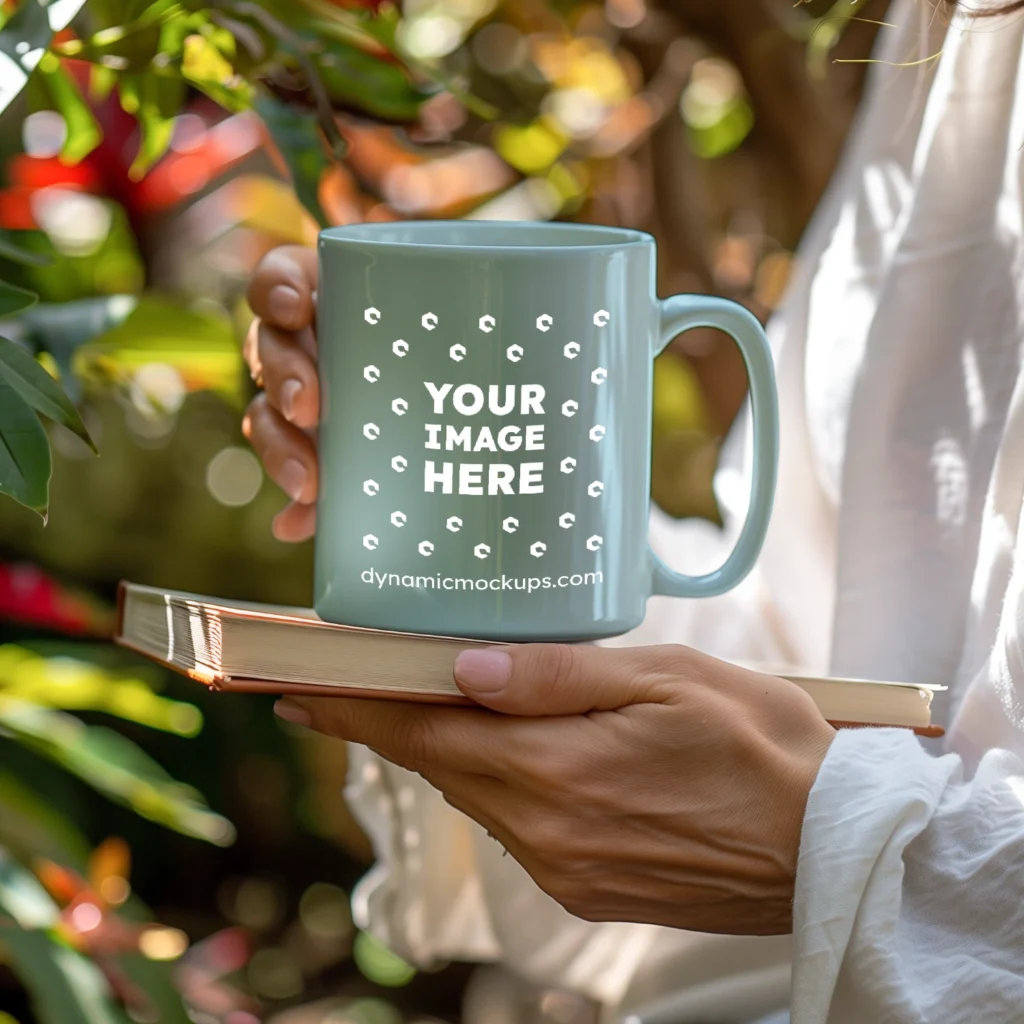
{"x":681,"y":313}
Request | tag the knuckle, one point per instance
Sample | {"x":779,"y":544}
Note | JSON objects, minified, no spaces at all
{"x":669,"y":658}
{"x":260,"y":280}
{"x":276,"y":265}
{"x":564,"y":660}
{"x":674,"y":653}
{"x":555,"y":666}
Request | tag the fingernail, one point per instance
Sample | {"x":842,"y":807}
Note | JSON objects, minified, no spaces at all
{"x":289,"y":392}
{"x":292,"y":478}
{"x":483,"y":671}
{"x":283,"y":304}
{"x":292,"y":713}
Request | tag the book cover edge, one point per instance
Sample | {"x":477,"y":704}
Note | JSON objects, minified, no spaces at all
{"x":225,"y":683}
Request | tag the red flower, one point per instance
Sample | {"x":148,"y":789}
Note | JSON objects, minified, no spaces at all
{"x":31,"y":598}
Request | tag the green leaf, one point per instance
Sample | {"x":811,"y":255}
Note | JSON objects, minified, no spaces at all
{"x":31,"y":826}
{"x":174,"y":31}
{"x":22,"y":42}
{"x":74,"y":684}
{"x":46,"y":834}
{"x":83,"y":132}
{"x":115,"y":767}
{"x":24,"y":452}
{"x":127,"y":16}
{"x":101,"y":82}
{"x":97,"y":265}
{"x":59,"y":328}
{"x":383,"y":26}
{"x":156,"y":101}
{"x":14,"y":300}
{"x":23,"y":897}
{"x":297,"y":137}
{"x":363,"y":80}
{"x":11,"y":250}
{"x":202,"y":61}
{"x":39,"y":389}
{"x":207,"y":68}
{"x":66,"y":987}
{"x":201,"y":346}
{"x":157,"y":980}
{"x":128,"y":93}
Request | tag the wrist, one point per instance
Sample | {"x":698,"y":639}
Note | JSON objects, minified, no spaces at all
{"x":798,"y":758}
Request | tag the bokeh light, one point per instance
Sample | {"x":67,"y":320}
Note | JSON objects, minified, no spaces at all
{"x":715,"y":108}
{"x":162,"y":943}
{"x":86,"y":917}
{"x":324,"y":912}
{"x":430,"y":36}
{"x":77,"y":223}
{"x":379,"y":964}
{"x":157,"y":389}
{"x":254,"y":902}
{"x":234,"y":476}
{"x":273,"y":973}
{"x":499,"y":48}
{"x":44,"y":133}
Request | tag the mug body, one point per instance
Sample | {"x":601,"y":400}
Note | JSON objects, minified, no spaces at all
{"x":484,"y":440}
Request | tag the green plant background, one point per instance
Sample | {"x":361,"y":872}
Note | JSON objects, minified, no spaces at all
{"x":165,"y":851}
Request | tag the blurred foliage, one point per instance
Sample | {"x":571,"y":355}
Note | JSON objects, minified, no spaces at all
{"x":151,"y":54}
{"x":152,"y":151}
{"x":80,"y":959}
{"x":529,"y":113}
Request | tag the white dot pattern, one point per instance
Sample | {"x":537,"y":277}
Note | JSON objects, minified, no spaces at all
{"x":514,"y":353}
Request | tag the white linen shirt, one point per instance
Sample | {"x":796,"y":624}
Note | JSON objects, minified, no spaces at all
{"x":895,"y":552}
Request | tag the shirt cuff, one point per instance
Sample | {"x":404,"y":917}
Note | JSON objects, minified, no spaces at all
{"x":876,"y":791}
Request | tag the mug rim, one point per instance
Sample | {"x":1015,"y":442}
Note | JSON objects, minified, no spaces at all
{"x":601,"y":237}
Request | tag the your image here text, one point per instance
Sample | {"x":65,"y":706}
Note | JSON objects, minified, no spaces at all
{"x":478,"y":478}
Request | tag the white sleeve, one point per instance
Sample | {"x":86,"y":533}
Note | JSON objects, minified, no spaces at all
{"x":443,"y":890}
{"x":910,"y":887}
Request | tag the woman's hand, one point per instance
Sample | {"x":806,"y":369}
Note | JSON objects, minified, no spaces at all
{"x":649,"y":784}
{"x":281,"y":352}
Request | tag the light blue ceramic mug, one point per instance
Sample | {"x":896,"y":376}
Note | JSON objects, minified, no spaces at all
{"x":485,"y":433}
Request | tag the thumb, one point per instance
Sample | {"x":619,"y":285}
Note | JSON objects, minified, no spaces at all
{"x":560,"y":679}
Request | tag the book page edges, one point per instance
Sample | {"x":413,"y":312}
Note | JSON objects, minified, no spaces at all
{"x":240,"y":685}
{"x":301,"y":618}
{"x":237,"y":684}
{"x":197,"y":673}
